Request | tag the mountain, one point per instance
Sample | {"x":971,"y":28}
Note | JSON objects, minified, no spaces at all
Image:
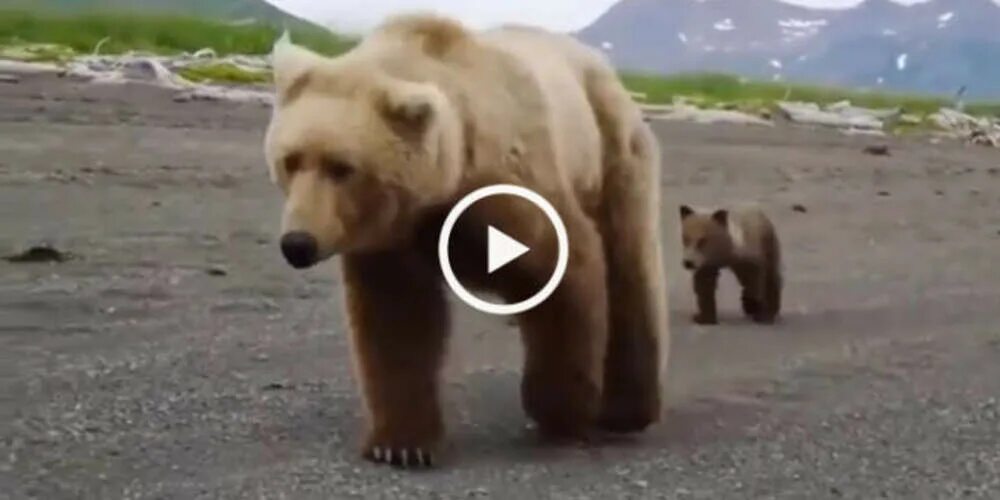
{"x":934,"y":47}
{"x":228,"y":10}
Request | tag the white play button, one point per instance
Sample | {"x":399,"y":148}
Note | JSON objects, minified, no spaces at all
{"x":501,"y":249}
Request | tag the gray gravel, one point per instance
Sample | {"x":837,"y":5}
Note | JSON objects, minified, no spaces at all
{"x":176,"y":356}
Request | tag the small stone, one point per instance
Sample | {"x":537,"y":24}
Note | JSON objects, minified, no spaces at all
{"x":261,"y":357}
{"x":883,"y":193}
{"x":13,"y":79}
{"x":217,"y":271}
{"x":155,"y":204}
{"x":278,"y":386}
{"x":877,"y":150}
{"x":798,"y":207}
{"x":939,"y":192}
{"x":974,"y":192}
{"x":40,"y":253}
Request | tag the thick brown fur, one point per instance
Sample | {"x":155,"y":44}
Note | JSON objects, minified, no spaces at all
{"x":743,"y":240}
{"x":374,"y":147}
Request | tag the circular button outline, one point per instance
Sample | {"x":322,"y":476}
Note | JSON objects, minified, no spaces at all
{"x":561,"y":238}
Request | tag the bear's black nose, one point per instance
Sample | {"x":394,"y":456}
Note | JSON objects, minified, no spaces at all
{"x":299,"y":248}
{"x":688,"y":264}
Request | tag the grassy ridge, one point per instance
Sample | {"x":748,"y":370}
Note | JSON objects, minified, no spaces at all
{"x":166,"y":34}
{"x":716,"y":90}
{"x":161,"y":33}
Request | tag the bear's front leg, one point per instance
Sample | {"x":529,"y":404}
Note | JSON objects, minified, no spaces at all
{"x":399,"y":325}
{"x":705,"y":283}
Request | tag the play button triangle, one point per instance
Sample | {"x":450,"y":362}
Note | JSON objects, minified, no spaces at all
{"x":501,"y":249}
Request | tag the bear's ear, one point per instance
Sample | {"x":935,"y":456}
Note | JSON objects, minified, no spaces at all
{"x":721,"y":216}
{"x":291,"y":65}
{"x":410,"y":108}
{"x":686,"y":211}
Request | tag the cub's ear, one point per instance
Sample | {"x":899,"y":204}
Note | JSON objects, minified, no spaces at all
{"x":411,"y":107}
{"x":721,"y":216}
{"x":686,"y":211}
{"x":291,"y":65}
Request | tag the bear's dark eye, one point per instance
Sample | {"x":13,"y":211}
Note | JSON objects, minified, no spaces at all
{"x":337,"y":170}
{"x":701,"y":243}
{"x":293,"y":163}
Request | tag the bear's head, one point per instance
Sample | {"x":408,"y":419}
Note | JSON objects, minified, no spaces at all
{"x":356,"y":151}
{"x":706,"y":238}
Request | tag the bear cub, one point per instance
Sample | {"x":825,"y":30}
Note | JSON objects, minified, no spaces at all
{"x":743,"y":240}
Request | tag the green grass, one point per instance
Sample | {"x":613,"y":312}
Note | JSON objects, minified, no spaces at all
{"x":984,"y":109}
{"x":157,"y":33}
{"x":38,"y":52}
{"x":715,"y":89}
{"x":224,"y":72}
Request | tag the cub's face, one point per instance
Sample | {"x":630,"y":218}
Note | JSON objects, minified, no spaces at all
{"x":705,"y":236}
{"x":355,"y":152}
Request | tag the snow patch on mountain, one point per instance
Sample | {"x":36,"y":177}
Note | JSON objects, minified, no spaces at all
{"x":724,"y":25}
{"x":944,"y":19}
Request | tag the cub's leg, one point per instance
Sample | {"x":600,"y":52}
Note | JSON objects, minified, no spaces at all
{"x":772,"y":297}
{"x":639,"y":339}
{"x":752,"y":286}
{"x":399,"y":323}
{"x":773,"y":281}
{"x":705,"y":283}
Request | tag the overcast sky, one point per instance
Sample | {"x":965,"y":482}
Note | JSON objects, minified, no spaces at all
{"x":563,"y":15}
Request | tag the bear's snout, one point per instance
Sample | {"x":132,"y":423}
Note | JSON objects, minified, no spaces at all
{"x":299,"y":248}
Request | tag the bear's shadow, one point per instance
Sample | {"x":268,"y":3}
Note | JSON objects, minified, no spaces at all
{"x":487,"y":426}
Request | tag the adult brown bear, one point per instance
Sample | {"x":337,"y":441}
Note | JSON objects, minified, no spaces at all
{"x":373,"y":147}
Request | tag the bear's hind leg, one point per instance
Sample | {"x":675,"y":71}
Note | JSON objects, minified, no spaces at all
{"x":774,"y":282}
{"x":772,"y":297}
{"x":399,"y":324}
{"x":565,"y":338}
{"x":752,"y":286}
{"x":638,"y":335}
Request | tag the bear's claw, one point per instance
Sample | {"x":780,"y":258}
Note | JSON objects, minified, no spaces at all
{"x":401,"y":457}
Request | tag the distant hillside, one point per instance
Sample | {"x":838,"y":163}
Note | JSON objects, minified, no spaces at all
{"x":937,"y":46}
{"x":227,"y":10}
{"x":155,"y":29}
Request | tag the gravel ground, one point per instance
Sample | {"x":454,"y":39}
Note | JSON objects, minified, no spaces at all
{"x":177,"y":356}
